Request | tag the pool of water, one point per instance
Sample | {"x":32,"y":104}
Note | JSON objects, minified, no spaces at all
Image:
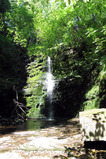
{"x":33,"y":124}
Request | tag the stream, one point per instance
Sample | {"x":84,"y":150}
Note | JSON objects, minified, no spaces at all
{"x":39,"y":139}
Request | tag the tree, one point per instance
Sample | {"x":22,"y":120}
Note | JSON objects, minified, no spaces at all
{"x":4,"y":6}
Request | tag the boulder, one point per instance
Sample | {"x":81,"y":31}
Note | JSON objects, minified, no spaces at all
{"x":93,"y":125}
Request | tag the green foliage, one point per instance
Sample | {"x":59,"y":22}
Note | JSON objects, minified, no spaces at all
{"x":91,"y":98}
{"x":34,"y":90}
{"x":72,"y":26}
{"x":93,"y":92}
{"x":20,"y":23}
{"x":96,"y":96}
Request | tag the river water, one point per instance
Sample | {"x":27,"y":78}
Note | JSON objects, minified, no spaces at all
{"x":39,"y":138}
{"x":33,"y":125}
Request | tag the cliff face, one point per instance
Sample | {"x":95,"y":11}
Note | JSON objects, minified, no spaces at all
{"x":79,"y":84}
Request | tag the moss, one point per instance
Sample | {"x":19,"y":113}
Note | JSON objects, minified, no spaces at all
{"x":93,"y":92}
{"x":91,"y":98}
{"x":96,"y":96}
{"x":90,"y":104}
{"x":34,"y":93}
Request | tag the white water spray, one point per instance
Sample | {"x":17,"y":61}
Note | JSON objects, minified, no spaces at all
{"x":50,"y":87}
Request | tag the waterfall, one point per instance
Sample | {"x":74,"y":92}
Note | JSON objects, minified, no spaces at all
{"x":50,"y":87}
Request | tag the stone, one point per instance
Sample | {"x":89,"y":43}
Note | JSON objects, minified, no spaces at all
{"x":93,"y":125}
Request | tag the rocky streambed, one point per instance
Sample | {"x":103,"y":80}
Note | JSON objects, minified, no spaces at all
{"x":43,"y":140}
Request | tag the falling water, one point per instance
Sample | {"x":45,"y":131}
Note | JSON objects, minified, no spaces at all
{"x":50,"y":87}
